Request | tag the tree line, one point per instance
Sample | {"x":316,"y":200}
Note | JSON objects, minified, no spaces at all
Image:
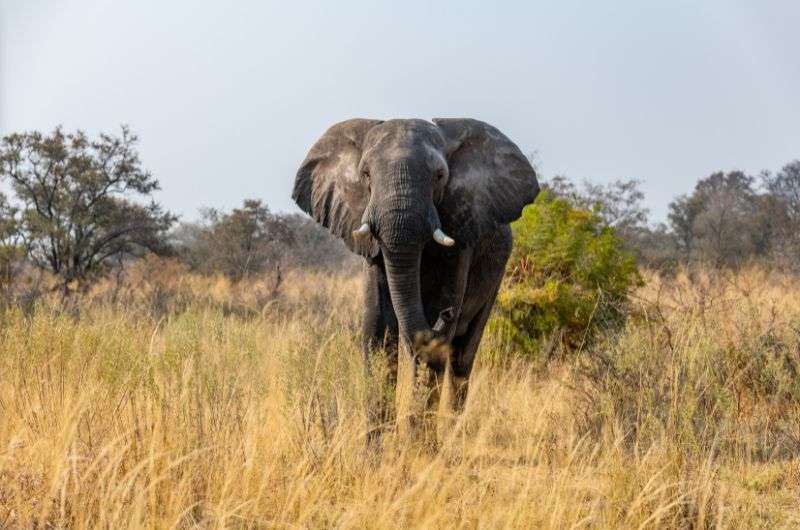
{"x":77,"y":208}
{"x":728,"y":220}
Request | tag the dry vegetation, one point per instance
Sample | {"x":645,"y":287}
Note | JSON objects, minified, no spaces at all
{"x":189,"y":402}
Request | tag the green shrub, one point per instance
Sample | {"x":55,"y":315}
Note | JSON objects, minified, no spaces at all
{"x":568,"y":278}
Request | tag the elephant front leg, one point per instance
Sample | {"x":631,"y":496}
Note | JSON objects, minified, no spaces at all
{"x":444,"y":394}
{"x":379,"y":347}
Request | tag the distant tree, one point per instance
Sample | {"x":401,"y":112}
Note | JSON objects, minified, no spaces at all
{"x":186,"y":239}
{"x":781,"y":211}
{"x":722,"y":221}
{"x":74,"y":195}
{"x":683,"y":212}
{"x":654,"y":246}
{"x":315,"y":248}
{"x":618,"y":204}
{"x":785,"y":186}
{"x":562,"y":187}
{"x":254,"y":240}
{"x":724,"y":228}
{"x":239,"y":243}
{"x":767,"y":226}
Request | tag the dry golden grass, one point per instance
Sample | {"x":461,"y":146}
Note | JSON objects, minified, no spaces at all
{"x":190,"y":403}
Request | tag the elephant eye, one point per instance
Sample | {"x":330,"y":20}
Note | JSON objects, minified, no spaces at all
{"x":365,"y":174}
{"x":440,"y":174}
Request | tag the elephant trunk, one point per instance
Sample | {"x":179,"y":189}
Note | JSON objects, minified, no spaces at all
{"x":403,"y":276}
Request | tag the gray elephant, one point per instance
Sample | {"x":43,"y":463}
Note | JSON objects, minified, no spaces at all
{"x":428,"y":205}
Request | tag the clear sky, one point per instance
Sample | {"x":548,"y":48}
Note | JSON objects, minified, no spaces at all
{"x":227,"y":96}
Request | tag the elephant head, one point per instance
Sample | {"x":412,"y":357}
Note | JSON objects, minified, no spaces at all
{"x":392,"y":187}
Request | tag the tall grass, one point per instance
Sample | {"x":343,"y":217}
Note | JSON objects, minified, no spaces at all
{"x":187,"y":402}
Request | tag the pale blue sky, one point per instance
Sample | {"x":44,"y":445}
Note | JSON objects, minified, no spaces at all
{"x":228,"y":99}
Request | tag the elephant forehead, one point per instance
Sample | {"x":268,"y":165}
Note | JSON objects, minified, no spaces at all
{"x":405,"y":134}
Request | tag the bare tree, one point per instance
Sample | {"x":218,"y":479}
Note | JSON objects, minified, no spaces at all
{"x":720,"y":222}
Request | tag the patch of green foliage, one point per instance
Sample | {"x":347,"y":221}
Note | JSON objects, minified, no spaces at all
{"x":568,"y":278}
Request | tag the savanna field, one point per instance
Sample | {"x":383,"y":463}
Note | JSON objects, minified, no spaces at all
{"x":190,"y":402}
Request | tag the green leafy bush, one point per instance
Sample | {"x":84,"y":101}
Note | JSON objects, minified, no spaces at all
{"x":568,"y":278}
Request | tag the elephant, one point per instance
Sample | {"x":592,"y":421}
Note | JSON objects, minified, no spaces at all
{"x":428,"y":206}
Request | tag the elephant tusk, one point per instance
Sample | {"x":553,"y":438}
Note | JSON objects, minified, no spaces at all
{"x":362,"y":231}
{"x":442,"y":238}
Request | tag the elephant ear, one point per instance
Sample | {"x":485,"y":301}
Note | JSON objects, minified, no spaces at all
{"x":490,"y":182}
{"x":329,"y":188}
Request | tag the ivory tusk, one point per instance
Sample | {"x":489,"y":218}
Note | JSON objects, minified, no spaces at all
{"x":362,"y":231}
{"x":442,"y":238}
